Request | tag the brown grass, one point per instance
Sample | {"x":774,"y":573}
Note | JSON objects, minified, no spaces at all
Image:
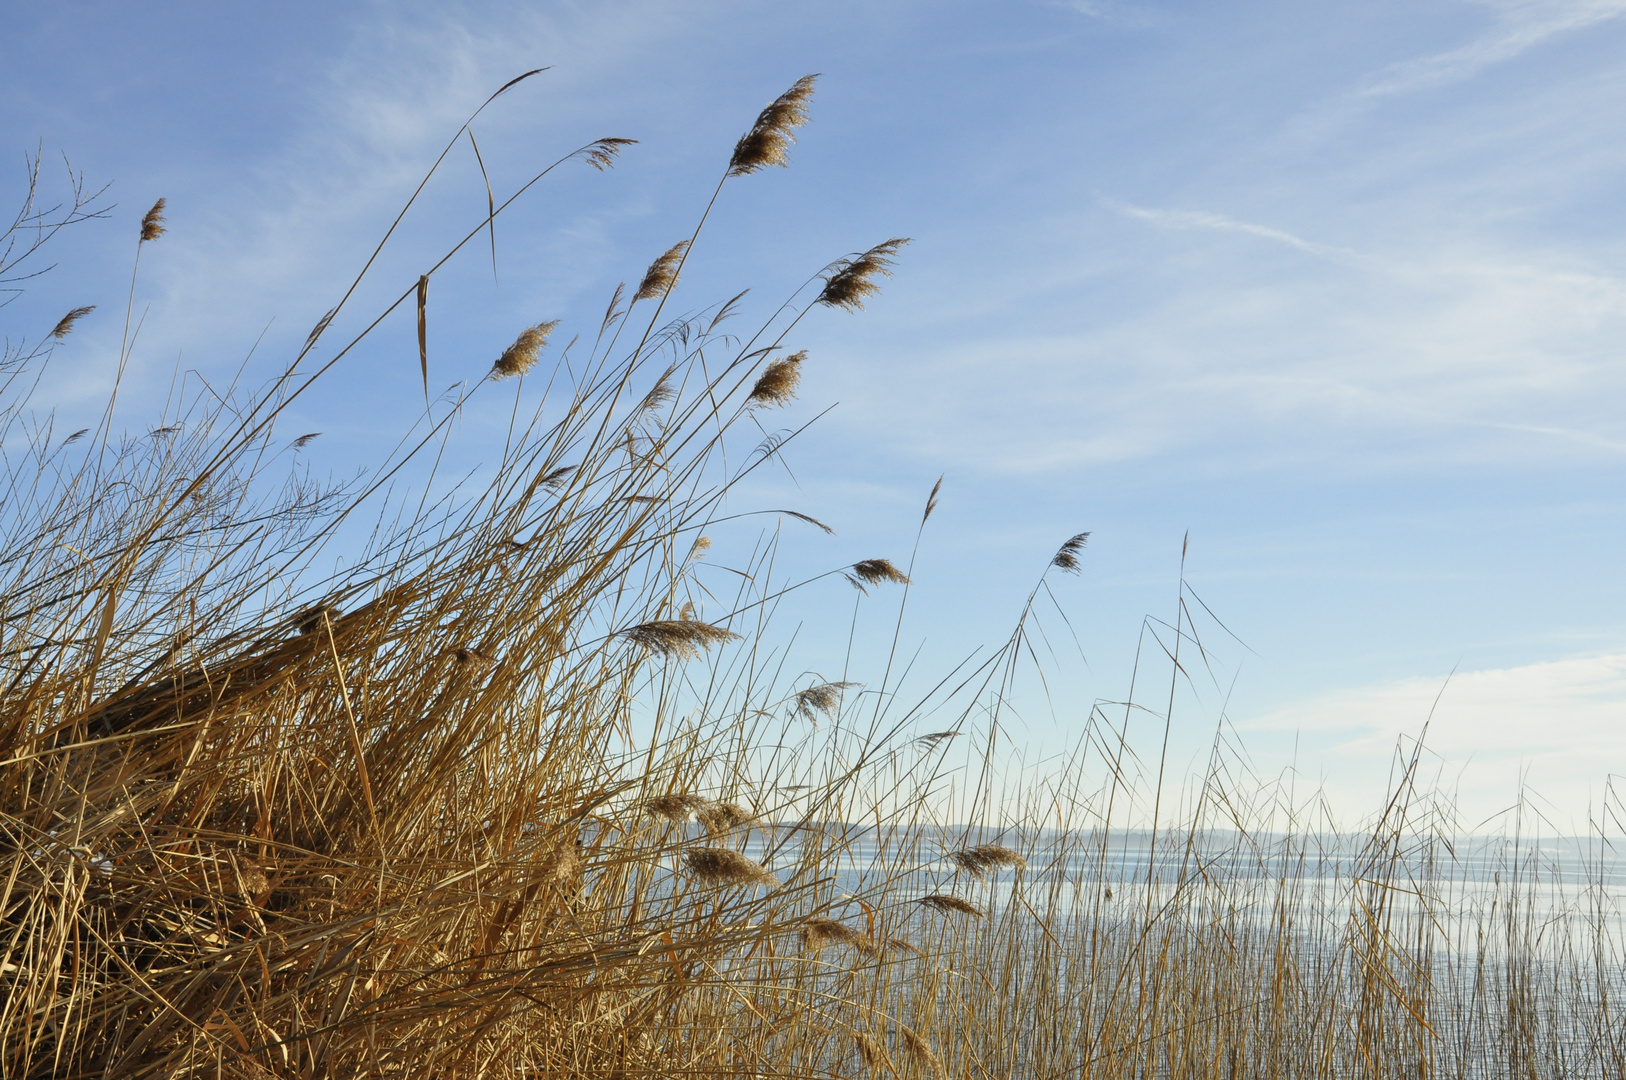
{"x":259,"y":818}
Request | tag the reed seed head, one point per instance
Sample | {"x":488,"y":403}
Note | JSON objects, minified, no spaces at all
{"x":777,"y":383}
{"x":152,"y":223}
{"x":65,"y":325}
{"x":674,"y":807}
{"x":979,"y":860}
{"x":824,"y":698}
{"x":921,"y":1051}
{"x":821,"y":934}
{"x":662,"y":273}
{"x":520,"y":357}
{"x":602,"y":153}
{"x":768,"y":141}
{"x":952,"y":905}
{"x":852,"y":279}
{"x":720,"y":817}
{"x":681,"y":638}
{"x":876,"y":571}
{"x":725,"y":866}
{"x":1067,"y":557}
{"x":873,"y":1053}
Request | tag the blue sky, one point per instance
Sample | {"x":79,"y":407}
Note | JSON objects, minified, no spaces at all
{"x":1338,"y":288}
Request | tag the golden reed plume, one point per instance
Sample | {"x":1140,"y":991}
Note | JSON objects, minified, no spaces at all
{"x":875,"y":571}
{"x":852,"y":279}
{"x":768,"y":141}
{"x":65,"y":325}
{"x":724,"y":866}
{"x":777,"y":383}
{"x":520,"y":357}
{"x":152,"y":223}
{"x":662,"y":273}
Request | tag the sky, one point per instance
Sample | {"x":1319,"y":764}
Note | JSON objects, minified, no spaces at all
{"x":1337,"y":291}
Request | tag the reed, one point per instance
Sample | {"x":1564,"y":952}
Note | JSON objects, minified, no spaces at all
{"x":495,"y":800}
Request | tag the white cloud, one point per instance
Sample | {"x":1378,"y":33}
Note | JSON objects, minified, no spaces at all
{"x":1557,"y":729}
{"x":1201,"y":219}
{"x":1519,"y":25}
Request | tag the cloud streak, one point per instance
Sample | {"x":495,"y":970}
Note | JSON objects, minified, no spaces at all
{"x":1519,"y":27}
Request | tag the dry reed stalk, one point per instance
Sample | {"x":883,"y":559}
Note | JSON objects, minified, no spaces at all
{"x":979,"y":860}
{"x":777,"y":383}
{"x":951,"y":904}
{"x":768,"y":141}
{"x":521,"y":356}
{"x":876,"y":571}
{"x":852,"y":279}
{"x":662,"y":273}
{"x":725,"y":866}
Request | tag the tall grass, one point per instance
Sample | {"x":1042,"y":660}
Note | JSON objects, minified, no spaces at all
{"x":500,"y":799}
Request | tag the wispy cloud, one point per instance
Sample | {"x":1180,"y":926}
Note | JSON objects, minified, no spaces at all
{"x":1553,"y":727}
{"x":1202,"y":219}
{"x":1518,"y":26}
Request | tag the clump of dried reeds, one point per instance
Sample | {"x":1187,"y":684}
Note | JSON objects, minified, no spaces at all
{"x":521,"y":356}
{"x":768,"y":141}
{"x":725,"y":866}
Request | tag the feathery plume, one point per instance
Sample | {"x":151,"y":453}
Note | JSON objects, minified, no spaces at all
{"x":931,"y":501}
{"x":979,"y":860}
{"x":724,"y":866}
{"x":777,"y":383}
{"x":556,"y":476}
{"x":1067,"y":557}
{"x":821,"y":934}
{"x":824,"y":698}
{"x":702,"y":544}
{"x":602,"y":153}
{"x":951,"y":904}
{"x":470,"y":655}
{"x":932,"y":738}
{"x":722,"y":816}
{"x":684,"y":639}
{"x":875,"y":571}
{"x":300,"y":442}
{"x":921,"y":1051}
{"x":520,"y":357}
{"x":873,"y":1053}
{"x":66,"y":324}
{"x":662,"y":273}
{"x":768,"y":141}
{"x":851,"y":280}
{"x":152,"y":223}
{"x":674,"y":807}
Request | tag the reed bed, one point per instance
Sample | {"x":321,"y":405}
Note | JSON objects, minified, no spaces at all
{"x":508,"y":796}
